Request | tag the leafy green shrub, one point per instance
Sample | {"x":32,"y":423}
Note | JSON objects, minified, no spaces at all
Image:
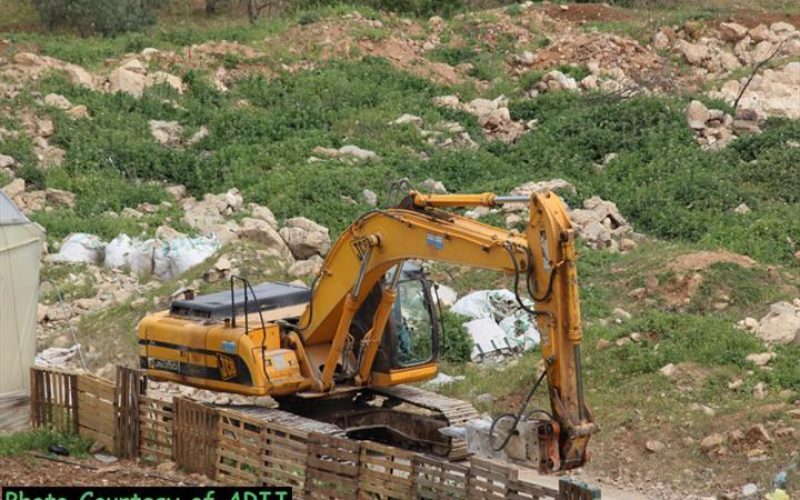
{"x":96,"y":16}
{"x":455,"y":343}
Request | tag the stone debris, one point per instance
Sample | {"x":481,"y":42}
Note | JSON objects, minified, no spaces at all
{"x":598,"y":222}
{"x":132,"y":77}
{"x":772,"y":92}
{"x":166,"y":133}
{"x":780,"y":326}
{"x":344,"y":153}
{"x":760,"y":359}
{"x":305,"y":238}
{"x":308,"y":267}
{"x":715,"y":129}
{"x":370,"y":197}
{"x":493,"y":116}
{"x":57,"y":101}
{"x":432,"y":186}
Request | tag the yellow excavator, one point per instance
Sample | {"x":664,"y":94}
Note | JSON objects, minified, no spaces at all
{"x":345,"y":350}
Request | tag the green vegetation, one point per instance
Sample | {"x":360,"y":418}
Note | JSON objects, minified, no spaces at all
{"x":455,"y":343}
{"x":263,"y":132}
{"x":96,"y":16}
{"x":39,"y":440}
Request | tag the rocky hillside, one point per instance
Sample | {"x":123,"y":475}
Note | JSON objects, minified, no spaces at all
{"x":206,"y":147}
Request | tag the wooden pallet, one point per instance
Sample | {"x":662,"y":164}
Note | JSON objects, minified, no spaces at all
{"x":97,"y":410}
{"x":571,"y":489}
{"x":239,"y":447}
{"x":524,"y":490}
{"x":332,"y":468}
{"x":195,"y":435}
{"x":131,"y":384}
{"x":436,"y":479}
{"x":386,"y":472}
{"x":54,"y":399}
{"x":155,"y":429}
{"x":488,"y":479}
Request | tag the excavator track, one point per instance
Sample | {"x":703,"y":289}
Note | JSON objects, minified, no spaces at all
{"x":452,"y":411}
{"x":406,"y":417}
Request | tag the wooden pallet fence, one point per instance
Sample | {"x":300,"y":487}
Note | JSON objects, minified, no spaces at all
{"x":285,"y":450}
{"x":194,"y":436}
{"x":488,"y":479}
{"x":571,"y":489}
{"x":97,"y":410}
{"x":155,"y":429}
{"x":131,"y":383}
{"x":54,"y":399}
{"x":524,"y":490}
{"x":332,"y":468}
{"x":386,"y":472}
{"x":239,"y":449}
{"x":439,"y":479}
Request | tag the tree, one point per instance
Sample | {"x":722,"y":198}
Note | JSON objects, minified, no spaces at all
{"x":88,"y":17}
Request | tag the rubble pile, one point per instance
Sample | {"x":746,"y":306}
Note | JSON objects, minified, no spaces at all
{"x":772,"y":92}
{"x":599,"y":222}
{"x":715,"y":129}
{"x":716,"y":52}
{"x":493,"y":117}
{"x":445,"y":134}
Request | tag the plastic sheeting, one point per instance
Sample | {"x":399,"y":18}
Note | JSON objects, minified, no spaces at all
{"x":56,"y":356}
{"x":80,"y":247}
{"x":162,"y":259}
{"x":499,"y":326}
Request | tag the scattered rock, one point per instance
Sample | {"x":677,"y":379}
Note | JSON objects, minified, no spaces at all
{"x":697,"y":115}
{"x":14,"y":188}
{"x":712,"y":442}
{"x":484,"y":398}
{"x":263,"y":213}
{"x":654,"y":446}
{"x":57,"y":101}
{"x":406,"y":118}
{"x":177,"y":192}
{"x":308,"y":267}
{"x":128,"y":81}
{"x":742,"y":209}
{"x":694,"y":54}
{"x":79,"y":112}
{"x":370,"y":197}
{"x":732,"y":32}
{"x":759,"y":391}
{"x":6,"y":161}
{"x":357,"y":152}
{"x":432,"y":186}
{"x":260,"y":231}
{"x":166,"y":133}
{"x":668,"y":370}
{"x":758,"y":434}
{"x":749,"y":490}
{"x":59,"y":198}
{"x":603,"y":344}
{"x":781,"y":325}
{"x":305,"y":238}
{"x":760,"y":359}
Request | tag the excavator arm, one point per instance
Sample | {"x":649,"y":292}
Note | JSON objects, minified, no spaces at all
{"x":543,"y":258}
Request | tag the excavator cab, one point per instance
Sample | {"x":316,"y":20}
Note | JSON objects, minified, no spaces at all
{"x":411,"y":337}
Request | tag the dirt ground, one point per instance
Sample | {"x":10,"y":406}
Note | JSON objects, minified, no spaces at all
{"x":30,"y":470}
